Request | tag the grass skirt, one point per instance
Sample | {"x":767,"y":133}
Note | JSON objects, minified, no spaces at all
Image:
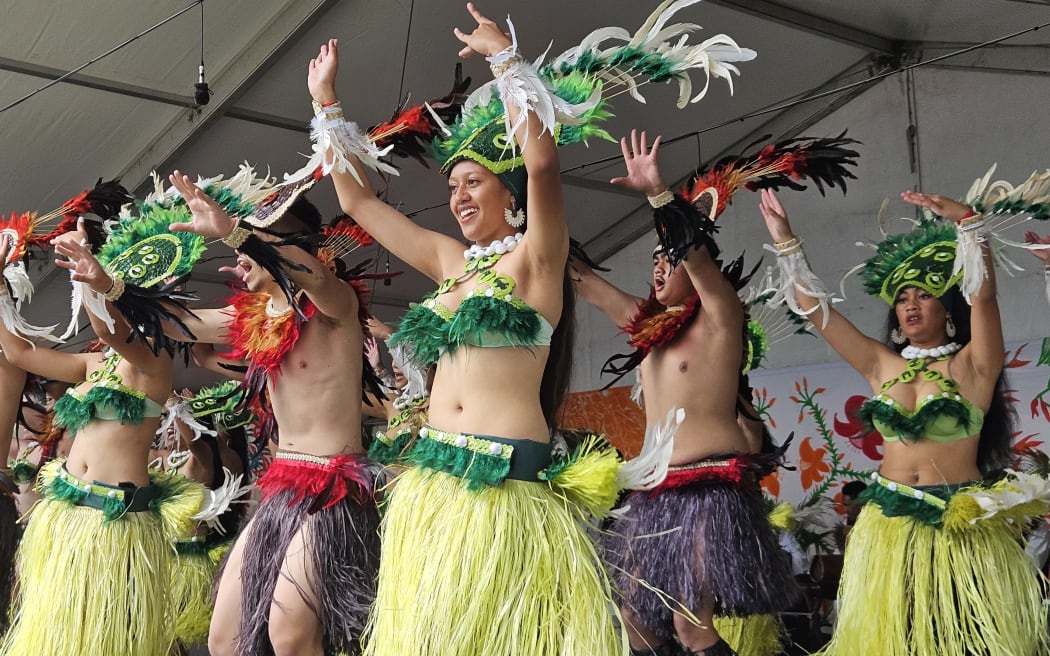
{"x":915,"y":588}
{"x":755,"y":635}
{"x":332,"y":499}
{"x":192,"y":583}
{"x":8,"y":545}
{"x":674,"y":545}
{"x":505,"y":569}
{"x":92,"y":586}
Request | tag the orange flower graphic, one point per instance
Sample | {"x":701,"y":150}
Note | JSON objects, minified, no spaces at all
{"x":812,"y":467}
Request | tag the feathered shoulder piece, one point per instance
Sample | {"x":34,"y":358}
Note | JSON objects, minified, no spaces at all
{"x":782,"y":164}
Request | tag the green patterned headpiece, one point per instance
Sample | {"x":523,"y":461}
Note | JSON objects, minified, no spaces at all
{"x":480,"y":134}
{"x":218,"y":406}
{"x":144,"y":252}
{"x":922,"y":258}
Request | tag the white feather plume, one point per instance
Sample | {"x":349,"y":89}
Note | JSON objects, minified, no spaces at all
{"x":336,"y":144}
{"x":219,"y":500}
{"x":797,"y":277}
{"x":649,"y":468}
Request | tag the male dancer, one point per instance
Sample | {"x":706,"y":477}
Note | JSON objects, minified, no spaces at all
{"x":300,"y":578}
{"x":700,"y":543}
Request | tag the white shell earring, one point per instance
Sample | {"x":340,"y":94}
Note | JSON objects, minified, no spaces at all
{"x":514,"y":219}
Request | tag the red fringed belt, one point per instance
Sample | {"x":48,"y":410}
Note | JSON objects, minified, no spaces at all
{"x":731,"y":470}
{"x":325,"y":481}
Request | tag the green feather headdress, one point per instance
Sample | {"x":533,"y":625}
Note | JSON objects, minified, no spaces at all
{"x":923,"y":258}
{"x":218,"y":406}
{"x":582,"y":79}
{"x":143,"y":251}
{"x":767,"y":324}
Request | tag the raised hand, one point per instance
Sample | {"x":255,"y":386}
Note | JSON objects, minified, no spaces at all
{"x":82,"y":265}
{"x":643,"y":170}
{"x":487,"y":39}
{"x":942,"y":206}
{"x":209,"y":219}
{"x":322,"y":73}
{"x":1041,"y":253}
{"x":775,"y":216}
{"x":78,"y":236}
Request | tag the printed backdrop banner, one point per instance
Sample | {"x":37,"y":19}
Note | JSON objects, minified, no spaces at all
{"x":818,"y":404}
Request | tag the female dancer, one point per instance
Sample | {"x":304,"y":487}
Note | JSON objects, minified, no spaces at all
{"x":934,"y":564}
{"x":94,"y":559}
{"x":484,"y":550}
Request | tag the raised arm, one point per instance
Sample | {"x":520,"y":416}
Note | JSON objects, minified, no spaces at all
{"x":548,"y":235}
{"x":88,"y":270}
{"x":612,"y":301}
{"x":427,"y":251}
{"x":333,"y":297}
{"x":987,"y":345}
{"x":721,"y":303}
{"x":860,"y":351}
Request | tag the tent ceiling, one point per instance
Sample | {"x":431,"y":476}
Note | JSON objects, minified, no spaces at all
{"x":130,"y":112}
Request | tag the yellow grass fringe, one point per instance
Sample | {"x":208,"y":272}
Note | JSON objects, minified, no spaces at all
{"x":92,"y":587}
{"x":754,"y":635}
{"x":507,"y":570}
{"x":909,"y":589}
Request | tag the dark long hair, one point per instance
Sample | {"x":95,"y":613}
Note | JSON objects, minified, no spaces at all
{"x":558,"y":372}
{"x":993,"y":449}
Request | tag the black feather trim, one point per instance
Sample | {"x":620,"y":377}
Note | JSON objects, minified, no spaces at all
{"x":147,"y":311}
{"x":266,"y":255}
{"x":681,"y":227}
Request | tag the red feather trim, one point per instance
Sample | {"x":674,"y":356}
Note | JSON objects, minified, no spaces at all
{"x":654,"y":326}
{"x":260,"y":339}
{"x":324,"y":484}
{"x":776,"y":165}
{"x":22,"y":226}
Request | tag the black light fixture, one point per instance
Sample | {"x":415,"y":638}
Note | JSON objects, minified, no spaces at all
{"x":201,"y":92}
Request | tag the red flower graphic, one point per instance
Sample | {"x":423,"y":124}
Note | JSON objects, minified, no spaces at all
{"x":852,"y":428}
{"x":812,"y":467}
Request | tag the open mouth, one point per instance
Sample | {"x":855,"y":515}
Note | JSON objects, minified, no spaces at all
{"x":465,"y":213}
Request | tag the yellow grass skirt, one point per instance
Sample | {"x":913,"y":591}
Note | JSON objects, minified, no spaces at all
{"x":192,"y":582}
{"x":754,"y":635}
{"x":505,"y":570}
{"x":90,"y":586}
{"x":960,"y":587}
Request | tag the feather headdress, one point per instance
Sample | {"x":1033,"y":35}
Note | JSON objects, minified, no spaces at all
{"x":578,"y":84}
{"x":781,"y":164}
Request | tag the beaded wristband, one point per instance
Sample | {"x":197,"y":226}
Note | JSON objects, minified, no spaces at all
{"x":320,"y":107}
{"x":661,"y":199}
{"x":236,"y":237}
{"x":116,"y":289}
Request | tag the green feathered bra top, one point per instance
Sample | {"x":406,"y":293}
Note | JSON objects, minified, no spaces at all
{"x":490,"y":316}
{"x":942,"y":418}
{"x":109,"y":399}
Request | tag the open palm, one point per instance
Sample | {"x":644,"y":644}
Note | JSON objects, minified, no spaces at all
{"x":209,"y":219}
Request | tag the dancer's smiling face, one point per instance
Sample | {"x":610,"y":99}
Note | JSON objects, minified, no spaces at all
{"x":478,"y":199}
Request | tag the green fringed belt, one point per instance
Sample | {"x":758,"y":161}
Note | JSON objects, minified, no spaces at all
{"x":924,"y":503}
{"x":480,"y":459}
{"x":114,"y":501}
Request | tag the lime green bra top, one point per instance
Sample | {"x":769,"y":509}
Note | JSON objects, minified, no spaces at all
{"x":108,"y":399}
{"x":943,"y":417}
{"x":490,"y":316}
